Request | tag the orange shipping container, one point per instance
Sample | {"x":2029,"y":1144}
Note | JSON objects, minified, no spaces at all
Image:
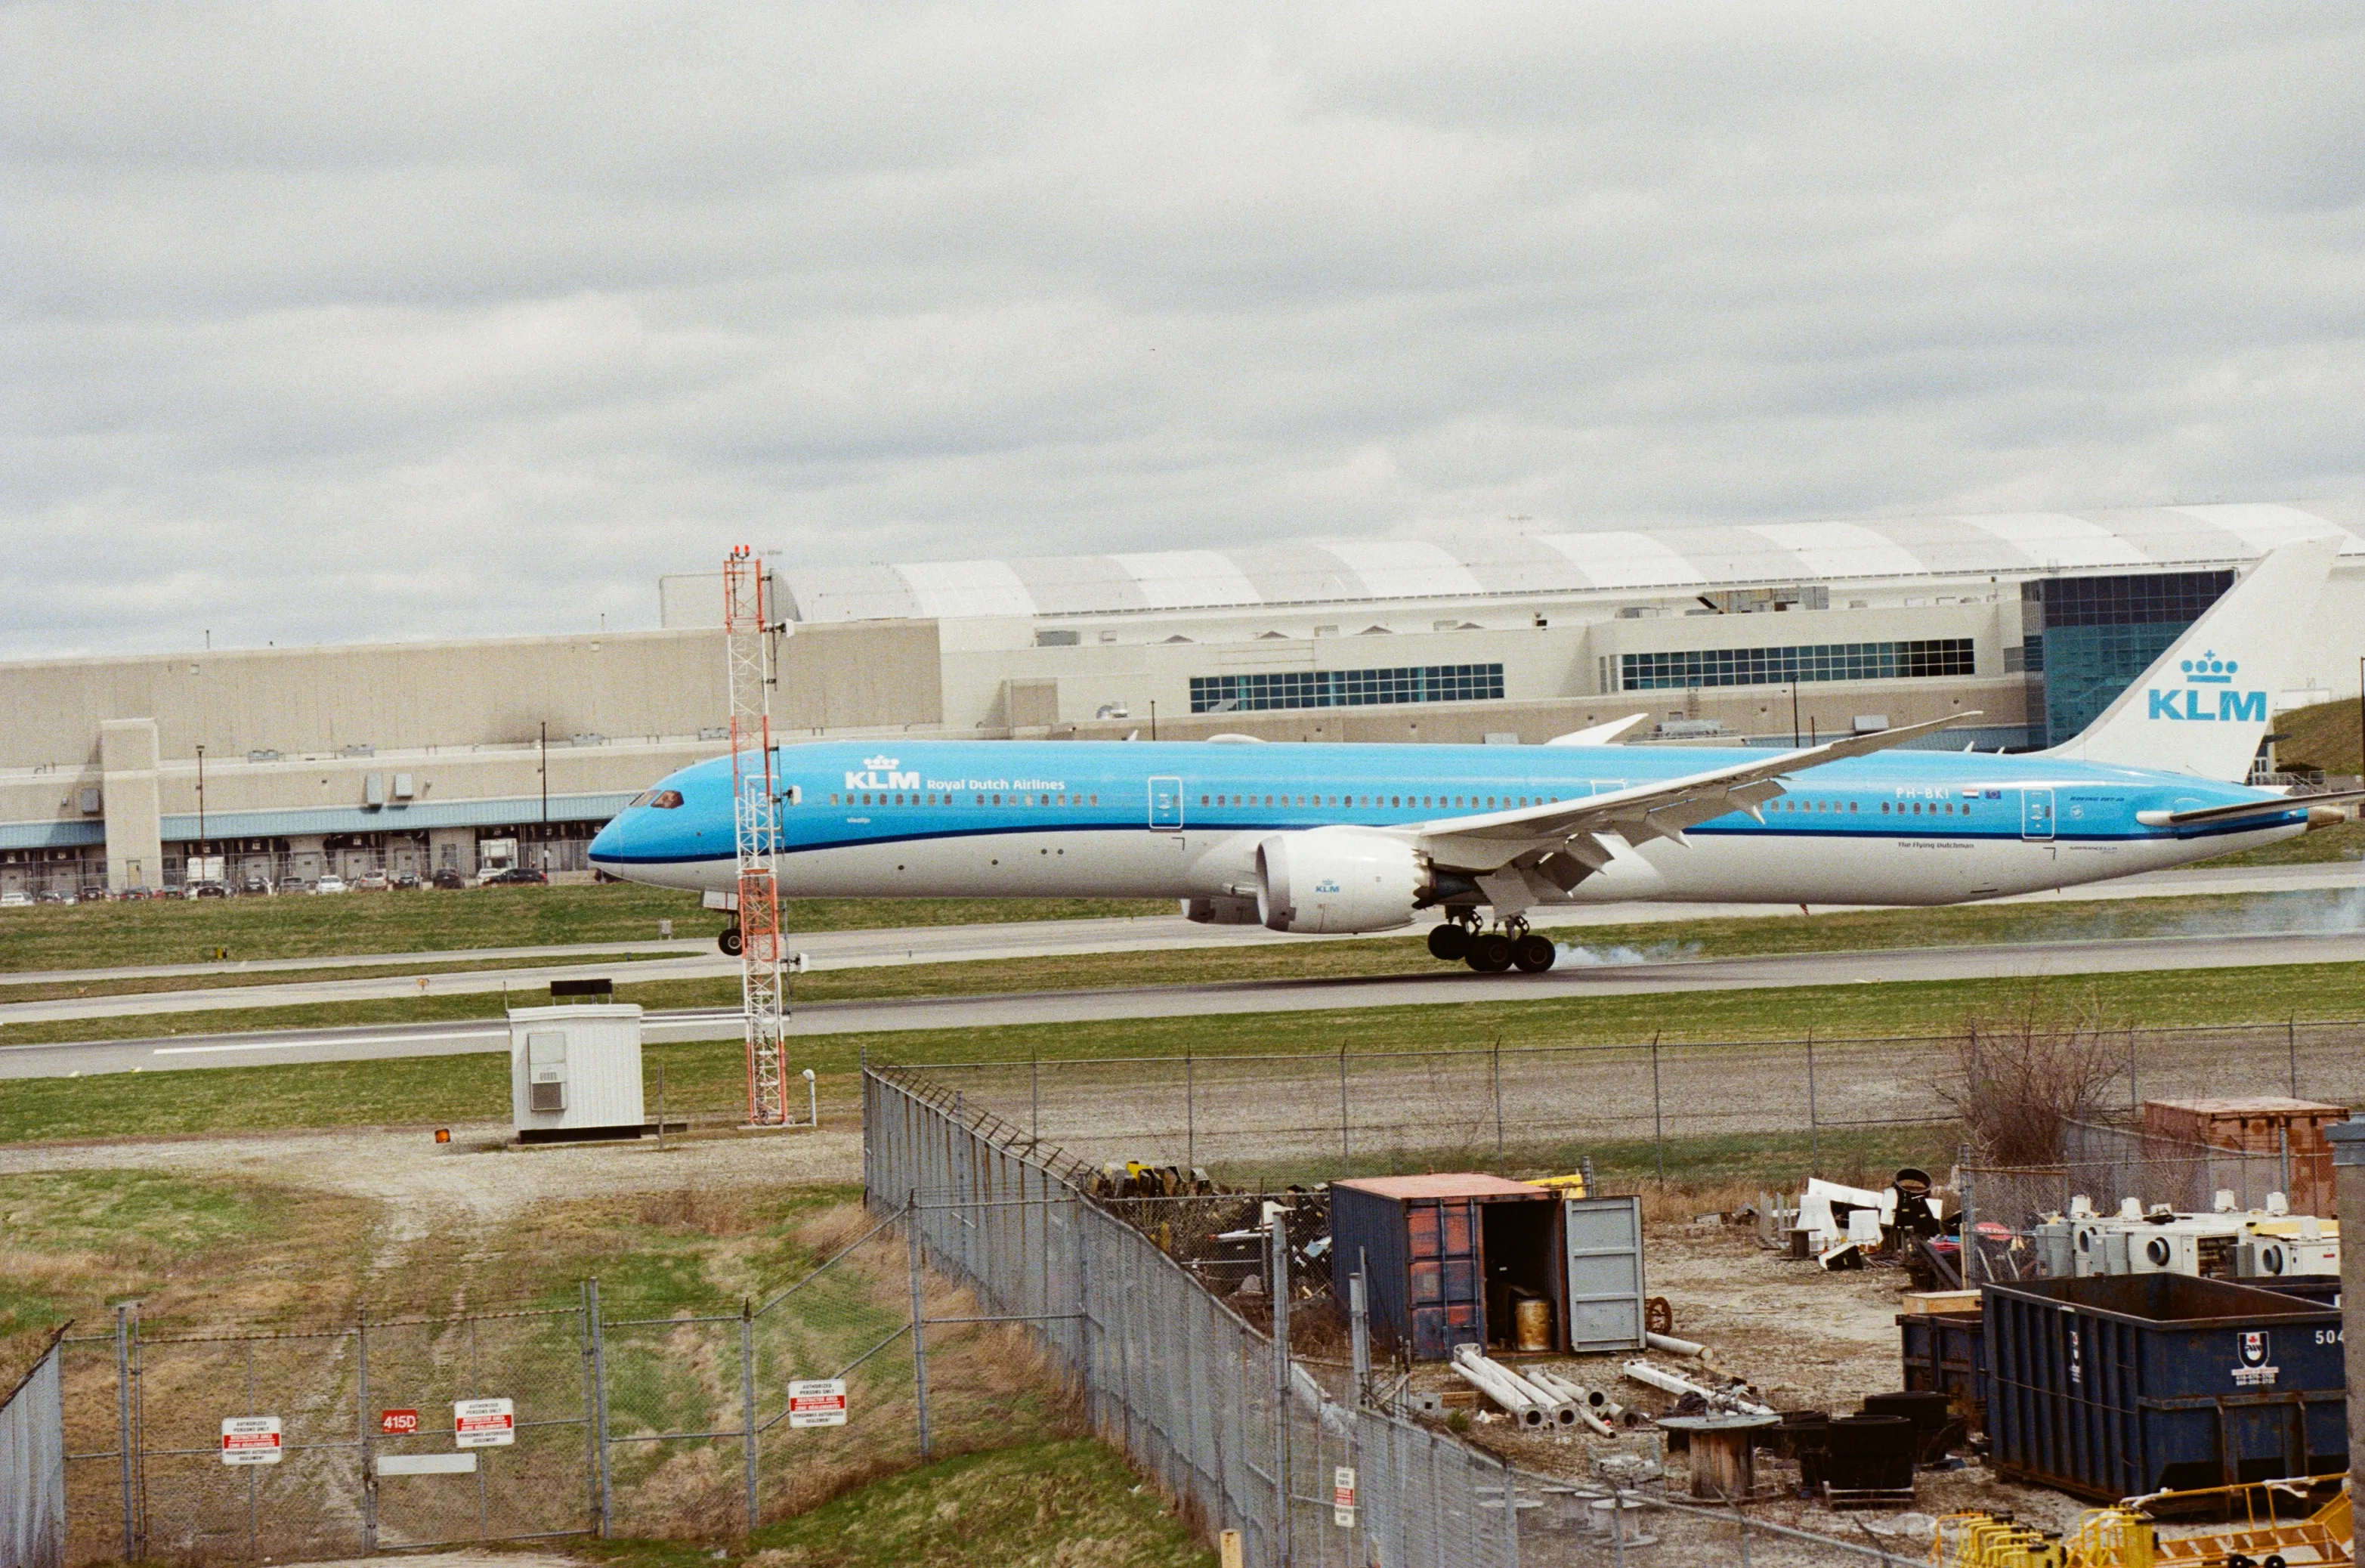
{"x":2257,"y":1123}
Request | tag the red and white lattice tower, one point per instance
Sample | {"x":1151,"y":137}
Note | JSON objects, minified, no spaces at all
{"x":747,"y":636}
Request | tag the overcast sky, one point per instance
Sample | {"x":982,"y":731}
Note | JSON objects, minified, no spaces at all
{"x":345,"y":322}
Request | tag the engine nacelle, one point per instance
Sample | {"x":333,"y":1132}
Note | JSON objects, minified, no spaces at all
{"x":1327,"y":879}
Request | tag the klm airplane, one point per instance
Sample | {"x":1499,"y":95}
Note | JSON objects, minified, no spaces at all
{"x":1358,"y":838}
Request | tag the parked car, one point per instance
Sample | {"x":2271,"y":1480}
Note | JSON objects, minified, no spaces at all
{"x":56,"y":895}
{"x":294,"y":885}
{"x":256,"y":886}
{"x":450,"y":878}
{"x":406,"y":880}
{"x":371,"y":882}
{"x":16,"y":898}
{"x":515,"y":876}
{"x":330,"y":883}
{"x":208,"y":891}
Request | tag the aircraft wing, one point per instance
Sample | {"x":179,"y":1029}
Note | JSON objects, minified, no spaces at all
{"x":1547,"y":849}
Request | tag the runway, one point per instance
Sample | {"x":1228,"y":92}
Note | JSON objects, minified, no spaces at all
{"x":699,"y":959}
{"x":1445,"y":986}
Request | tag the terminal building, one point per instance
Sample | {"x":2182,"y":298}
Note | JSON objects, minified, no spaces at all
{"x":289,"y":764}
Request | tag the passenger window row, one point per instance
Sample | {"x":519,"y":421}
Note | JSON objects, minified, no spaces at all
{"x":945,"y":800}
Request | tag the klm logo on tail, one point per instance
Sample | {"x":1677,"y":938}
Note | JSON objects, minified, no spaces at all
{"x":2186,"y":703}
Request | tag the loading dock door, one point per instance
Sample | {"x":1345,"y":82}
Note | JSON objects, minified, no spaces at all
{"x":1604,"y":1273}
{"x":1447,"y":1308}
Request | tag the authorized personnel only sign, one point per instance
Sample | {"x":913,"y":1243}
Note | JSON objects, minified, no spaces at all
{"x":1342,"y":1497}
{"x":398,"y":1423}
{"x":483,"y":1423}
{"x":250,"y":1440}
{"x":817,"y":1402}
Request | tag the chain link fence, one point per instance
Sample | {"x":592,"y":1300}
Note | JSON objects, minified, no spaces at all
{"x":33,"y":1467}
{"x":1245,"y":1435}
{"x":674,"y":1426}
{"x":1264,"y":1118}
{"x":2003,"y":1207}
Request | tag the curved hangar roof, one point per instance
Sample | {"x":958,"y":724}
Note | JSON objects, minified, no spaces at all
{"x":1490,"y":566}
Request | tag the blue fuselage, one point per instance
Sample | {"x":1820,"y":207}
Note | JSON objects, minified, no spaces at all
{"x":1069,"y":819}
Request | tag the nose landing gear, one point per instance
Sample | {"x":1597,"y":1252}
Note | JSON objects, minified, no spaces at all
{"x":1510,"y":944}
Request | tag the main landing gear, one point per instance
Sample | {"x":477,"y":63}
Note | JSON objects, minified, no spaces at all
{"x":1510,"y":944}
{"x":729,"y":941}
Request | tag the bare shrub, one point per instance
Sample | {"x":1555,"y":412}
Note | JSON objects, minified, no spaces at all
{"x":2020,"y":1077}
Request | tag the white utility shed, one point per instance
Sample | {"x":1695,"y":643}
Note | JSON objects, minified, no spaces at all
{"x":574,"y":1071}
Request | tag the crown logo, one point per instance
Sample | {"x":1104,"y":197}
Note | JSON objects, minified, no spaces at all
{"x":878,"y":762}
{"x":2210,"y":671}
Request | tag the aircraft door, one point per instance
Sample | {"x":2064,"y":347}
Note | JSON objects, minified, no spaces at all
{"x":2037,"y":813}
{"x":1166,"y":804}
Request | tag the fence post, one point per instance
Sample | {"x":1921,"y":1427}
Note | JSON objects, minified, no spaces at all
{"x":1970,"y":1229}
{"x":1190,"y":1113}
{"x":1342,"y":1108}
{"x":1497,"y":1071}
{"x":2290,"y":1040}
{"x":1814,"y":1128}
{"x":747,"y":1396}
{"x":1277,"y":1245}
{"x":919,"y":1328}
{"x":1658,"y":1122}
{"x":368,"y":1437}
{"x":1034,"y":1094}
{"x":599,"y":1407}
{"x":2134,"y":1094}
{"x":1359,"y":1330}
{"x":2282,"y":1147}
{"x":123,"y":1426}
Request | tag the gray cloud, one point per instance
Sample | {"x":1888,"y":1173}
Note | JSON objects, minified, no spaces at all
{"x":336,"y":323}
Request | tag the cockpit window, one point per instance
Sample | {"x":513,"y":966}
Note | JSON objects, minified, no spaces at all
{"x":640,"y":800}
{"x":665,"y":800}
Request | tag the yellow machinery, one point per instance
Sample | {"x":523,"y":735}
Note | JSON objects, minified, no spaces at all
{"x":2127,"y":1535}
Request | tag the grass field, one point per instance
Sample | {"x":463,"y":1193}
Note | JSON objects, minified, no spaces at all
{"x":1856,"y":931}
{"x":708,"y":1078}
{"x":182,"y":931}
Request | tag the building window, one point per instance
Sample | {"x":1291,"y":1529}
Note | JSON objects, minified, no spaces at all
{"x":1918,"y":660}
{"x":1346,"y":688}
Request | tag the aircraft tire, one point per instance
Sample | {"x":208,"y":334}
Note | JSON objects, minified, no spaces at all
{"x":728,"y":942}
{"x":1490,"y":953}
{"x":1534,"y":954}
{"x":1449,"y":941}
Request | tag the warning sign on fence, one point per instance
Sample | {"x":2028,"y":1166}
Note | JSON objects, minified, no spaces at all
{"x":249,"y":1439}
{"x":398,"y":1423}
{"x":1342,"y":1497}
{"x":817,"y":1402}
{"x":483,"y":1423}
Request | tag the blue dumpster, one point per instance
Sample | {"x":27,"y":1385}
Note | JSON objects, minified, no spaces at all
{"x":2116,"y":1386}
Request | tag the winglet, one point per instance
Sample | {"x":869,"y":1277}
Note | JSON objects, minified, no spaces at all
{"x":2204,"y":706}
{"x":1599,"y":734}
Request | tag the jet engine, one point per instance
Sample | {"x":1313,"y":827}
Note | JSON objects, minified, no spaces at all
{"x":1329,"y":880}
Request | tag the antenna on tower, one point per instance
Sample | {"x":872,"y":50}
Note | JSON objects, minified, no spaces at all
{"x":752,"y":658}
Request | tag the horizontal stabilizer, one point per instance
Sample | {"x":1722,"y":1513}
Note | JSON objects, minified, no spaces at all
{"x":2202,"y":816}
{"x":1599,"y":734}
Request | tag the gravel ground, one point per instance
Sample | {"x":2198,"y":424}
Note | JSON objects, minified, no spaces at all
{"x":1804,"y":1340}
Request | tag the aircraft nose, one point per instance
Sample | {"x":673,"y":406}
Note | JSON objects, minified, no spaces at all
{"x":607,"y":844}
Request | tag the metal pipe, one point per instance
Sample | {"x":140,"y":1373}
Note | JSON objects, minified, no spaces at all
{"x":1550,"y":1409}
{"x":1574,"y":1395}
{"x":1666,"y":1382}
{"x":1674,"y":1346}
{"x":1486,"y":1381}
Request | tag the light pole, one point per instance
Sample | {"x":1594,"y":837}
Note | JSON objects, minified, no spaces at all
{"x":543,"y":769}
{"x":201,"y":799}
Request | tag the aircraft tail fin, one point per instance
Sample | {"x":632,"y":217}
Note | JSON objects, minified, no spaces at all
{"x":2204,"y":707}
